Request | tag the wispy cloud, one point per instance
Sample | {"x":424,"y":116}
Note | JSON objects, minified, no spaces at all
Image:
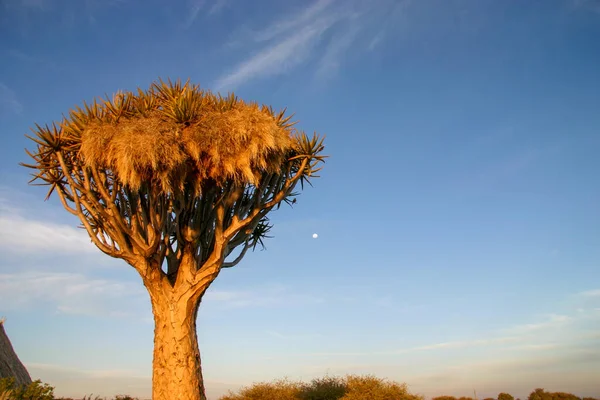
{"x":340,"y":43}
{"x":459,"y":344}
{"x":324,"y":32}
{"x":195,"y":7}
{"x":575,"y":327}
{"x":551,"y":321}
{"x":19,"y":234}
{"x":265,"y":296}
{"x":218,"y":6}
{"x":289,"y":23}
{"x":463,"y":344}
{"x":591,"y":293}
{"x":9,"y":103}
{"x":31,"y":236}
{"x":27,"y":230}
{"x":376,"y":40}
{"x":279,"y":57}
{"x":71,"y":293}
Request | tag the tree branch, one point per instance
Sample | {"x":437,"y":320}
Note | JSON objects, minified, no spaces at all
{"x":235,"y":262}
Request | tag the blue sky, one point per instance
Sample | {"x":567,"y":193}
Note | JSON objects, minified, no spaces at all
{"x":458,"y":216}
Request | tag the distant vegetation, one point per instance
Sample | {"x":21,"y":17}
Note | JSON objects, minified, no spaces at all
{"x":350,"y":387}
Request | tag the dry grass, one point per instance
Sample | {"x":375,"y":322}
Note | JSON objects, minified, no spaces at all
{"x":373,"y":388}
{"x":278,"y":390}
{"x":219,"y":139}
{"x":238,"y":144}
{"x":353,"y":387}
{"x":136,"y":149}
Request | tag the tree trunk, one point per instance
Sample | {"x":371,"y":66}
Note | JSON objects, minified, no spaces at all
{"x":176,"y":371}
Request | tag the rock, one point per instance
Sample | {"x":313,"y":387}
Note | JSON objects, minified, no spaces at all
{"x":10,"y":365}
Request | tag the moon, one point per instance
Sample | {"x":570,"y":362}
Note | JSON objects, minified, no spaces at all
{"x":315,"y":236}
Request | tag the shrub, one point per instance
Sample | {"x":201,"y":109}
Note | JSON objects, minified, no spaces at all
{"x":373,"y":388}
{"x":505,"y":396}
{"x":539,"y":394}
{"x":279,"y":390}
{"x":352,"y":387}
{"x":327,"y":388}
{"x":6,"y":395}
{"x":36,"y":390}
{"x":564,"y":396}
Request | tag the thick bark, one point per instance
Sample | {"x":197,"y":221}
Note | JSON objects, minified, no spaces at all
{"x":177,"y":373}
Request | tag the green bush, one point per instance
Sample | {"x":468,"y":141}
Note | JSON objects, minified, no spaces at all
{"x":36,"y":390}
{"x":327,"y":388}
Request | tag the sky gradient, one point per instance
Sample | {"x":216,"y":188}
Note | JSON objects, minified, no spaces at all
{"x":458,"y":216}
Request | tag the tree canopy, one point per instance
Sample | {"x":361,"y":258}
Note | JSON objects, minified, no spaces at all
{"x":151,"y":172}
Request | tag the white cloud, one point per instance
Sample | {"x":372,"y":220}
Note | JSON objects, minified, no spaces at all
{"x":591,"y":293}
{"x":27,"y":230}
{"x":71,"y":293}
{"x":22,"y":235}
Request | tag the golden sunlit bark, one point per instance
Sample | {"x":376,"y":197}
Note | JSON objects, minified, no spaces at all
{"x":176,"y":370}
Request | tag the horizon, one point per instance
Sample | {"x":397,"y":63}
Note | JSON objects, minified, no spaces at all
{"x":457,"y":216}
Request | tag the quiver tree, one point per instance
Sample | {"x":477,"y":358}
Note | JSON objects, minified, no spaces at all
{"x":177,"y":182}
